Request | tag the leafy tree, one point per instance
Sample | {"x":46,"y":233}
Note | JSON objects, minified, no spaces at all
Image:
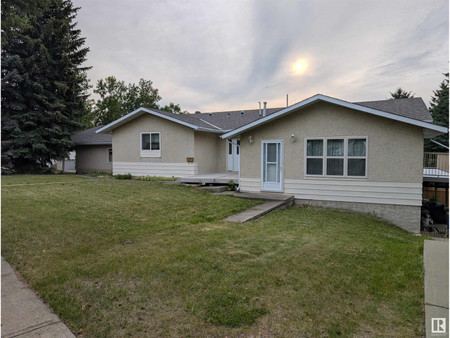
{"x":401,"y":94}
{"x":439,"y":112}
{"x":173,"y":108}
{"x":117,"y":99}
{"x":43,"y":83}
{"x":111,"y":104}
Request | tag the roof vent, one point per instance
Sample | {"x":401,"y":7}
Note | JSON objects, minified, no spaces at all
{"x":242,"y":112}
{"x":198,"y":112}
{"x":228,"y":114}
{"x":210,"y":114}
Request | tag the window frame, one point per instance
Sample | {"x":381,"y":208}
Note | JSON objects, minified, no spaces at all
{"x":150,"y":152}
{"x":325,"y":156}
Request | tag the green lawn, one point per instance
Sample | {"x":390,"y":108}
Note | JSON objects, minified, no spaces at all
{"x":116,"y":258}
{"x":39,"y":179}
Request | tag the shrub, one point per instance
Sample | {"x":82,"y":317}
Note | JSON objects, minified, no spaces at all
{"x":123,"y":177}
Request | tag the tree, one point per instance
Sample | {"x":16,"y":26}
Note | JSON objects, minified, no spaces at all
{"x":43,"y":84}
{"x":173,"y":108}
{"x":401,"y":94}
{"x":117,"y":99}
{"x":439,"y":111}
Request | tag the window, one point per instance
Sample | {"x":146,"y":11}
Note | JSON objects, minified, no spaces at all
{"x":150,"y":144}
{"x":110,"y":158}
{"x":334,"y":157}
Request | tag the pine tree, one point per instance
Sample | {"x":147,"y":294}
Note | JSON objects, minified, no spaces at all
{"x":439,"y":112}
{"x":401,"y":94}
{"x":43,"y":86}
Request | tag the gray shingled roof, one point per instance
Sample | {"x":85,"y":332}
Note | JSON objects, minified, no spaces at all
{"x":90,"y":137}
{"x":413,"y":108}
{"x":228,"y":120}
{"x":189,"y":118}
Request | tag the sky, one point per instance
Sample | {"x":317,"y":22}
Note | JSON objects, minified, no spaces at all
{"x":230,"y":54}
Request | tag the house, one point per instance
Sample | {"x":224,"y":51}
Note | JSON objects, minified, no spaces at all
{"x":93,"y":151}
{"x":365,"y":156}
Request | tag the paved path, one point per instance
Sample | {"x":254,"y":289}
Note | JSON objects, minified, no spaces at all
{"x":435,"y":257}
{"x":281,"y":202}
{"x":23,"y":313}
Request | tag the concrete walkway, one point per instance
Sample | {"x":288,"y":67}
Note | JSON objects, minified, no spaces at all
{"x":23,"y":313}
{"x":435,"y":257}
{"x":275,"y":201}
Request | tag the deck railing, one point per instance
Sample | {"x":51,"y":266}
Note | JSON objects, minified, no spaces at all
{"x":435,"y":164}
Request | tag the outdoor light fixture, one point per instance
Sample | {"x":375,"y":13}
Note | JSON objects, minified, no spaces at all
{"x":250,"y":139}
{"x":293,"y":138}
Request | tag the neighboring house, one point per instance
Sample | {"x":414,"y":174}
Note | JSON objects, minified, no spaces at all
{"x":365,"y":156}
{"x":93,"y":151}
{"x":67,"y":164}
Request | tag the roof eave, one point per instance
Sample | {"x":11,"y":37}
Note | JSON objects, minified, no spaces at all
{"x":120,"y":121}
{"x":320,"y":97}
{"x":91,"y":143}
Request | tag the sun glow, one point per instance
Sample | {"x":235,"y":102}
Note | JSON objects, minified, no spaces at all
{"x":299,"y":67}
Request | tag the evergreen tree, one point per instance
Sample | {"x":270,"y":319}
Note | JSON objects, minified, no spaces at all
{"x":439,"y":112}
{"x":43,"y":86}
{"x":401,"y":94}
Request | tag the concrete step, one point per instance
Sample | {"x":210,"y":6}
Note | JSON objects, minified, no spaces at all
{"x":260,"y":210}
{"x":214,"y":188}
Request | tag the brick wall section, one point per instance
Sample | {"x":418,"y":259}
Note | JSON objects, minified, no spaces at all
{"x":403,"y":216}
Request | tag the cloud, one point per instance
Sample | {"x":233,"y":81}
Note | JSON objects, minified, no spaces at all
{"x":230,"y":54}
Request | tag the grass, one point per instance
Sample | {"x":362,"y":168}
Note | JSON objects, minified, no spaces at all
{"x":39,"y":179}
{"x":118,"y":258}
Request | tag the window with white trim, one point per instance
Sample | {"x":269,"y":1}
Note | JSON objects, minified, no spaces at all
{"x":150,"y":144}
{"x":336,"y":157}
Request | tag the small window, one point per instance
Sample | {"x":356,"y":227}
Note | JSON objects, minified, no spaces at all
{"x":150,"y":144}
{"x":110,"y":158}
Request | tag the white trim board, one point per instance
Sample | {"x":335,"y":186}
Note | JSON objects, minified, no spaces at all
{"x":320,"y":97}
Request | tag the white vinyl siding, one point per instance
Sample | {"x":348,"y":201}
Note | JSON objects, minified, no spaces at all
{"x":155,"y":169}
{"x":336,"y":157}
{"x":345,"y":190}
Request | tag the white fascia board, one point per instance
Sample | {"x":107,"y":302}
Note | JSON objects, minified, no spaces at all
{"x":320,"y":97}
{"x":123,"y":119}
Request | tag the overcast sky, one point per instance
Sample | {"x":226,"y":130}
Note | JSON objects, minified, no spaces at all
{"x":230,"y":54}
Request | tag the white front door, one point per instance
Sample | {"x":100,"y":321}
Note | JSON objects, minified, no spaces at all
{"x":233,"y":150}
{"x":272,"y":165}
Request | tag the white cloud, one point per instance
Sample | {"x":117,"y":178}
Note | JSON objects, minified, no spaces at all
{"x":213,"y":55}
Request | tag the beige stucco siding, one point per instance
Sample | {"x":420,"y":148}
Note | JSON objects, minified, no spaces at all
{"x":222,"y":158}
{"x":395,"y":149}
{"x":208,"y":152}
{"x":177,"y":141}
{"x":93,"y":158}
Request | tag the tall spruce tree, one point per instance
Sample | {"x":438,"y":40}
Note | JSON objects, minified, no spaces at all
{"x":43,"y":85}
{"x":401,"y":94}
{"x":439,"y":112}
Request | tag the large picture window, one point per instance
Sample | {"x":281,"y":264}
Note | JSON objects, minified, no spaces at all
{"x":334,"y":157}
{"x":150,"y":144}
